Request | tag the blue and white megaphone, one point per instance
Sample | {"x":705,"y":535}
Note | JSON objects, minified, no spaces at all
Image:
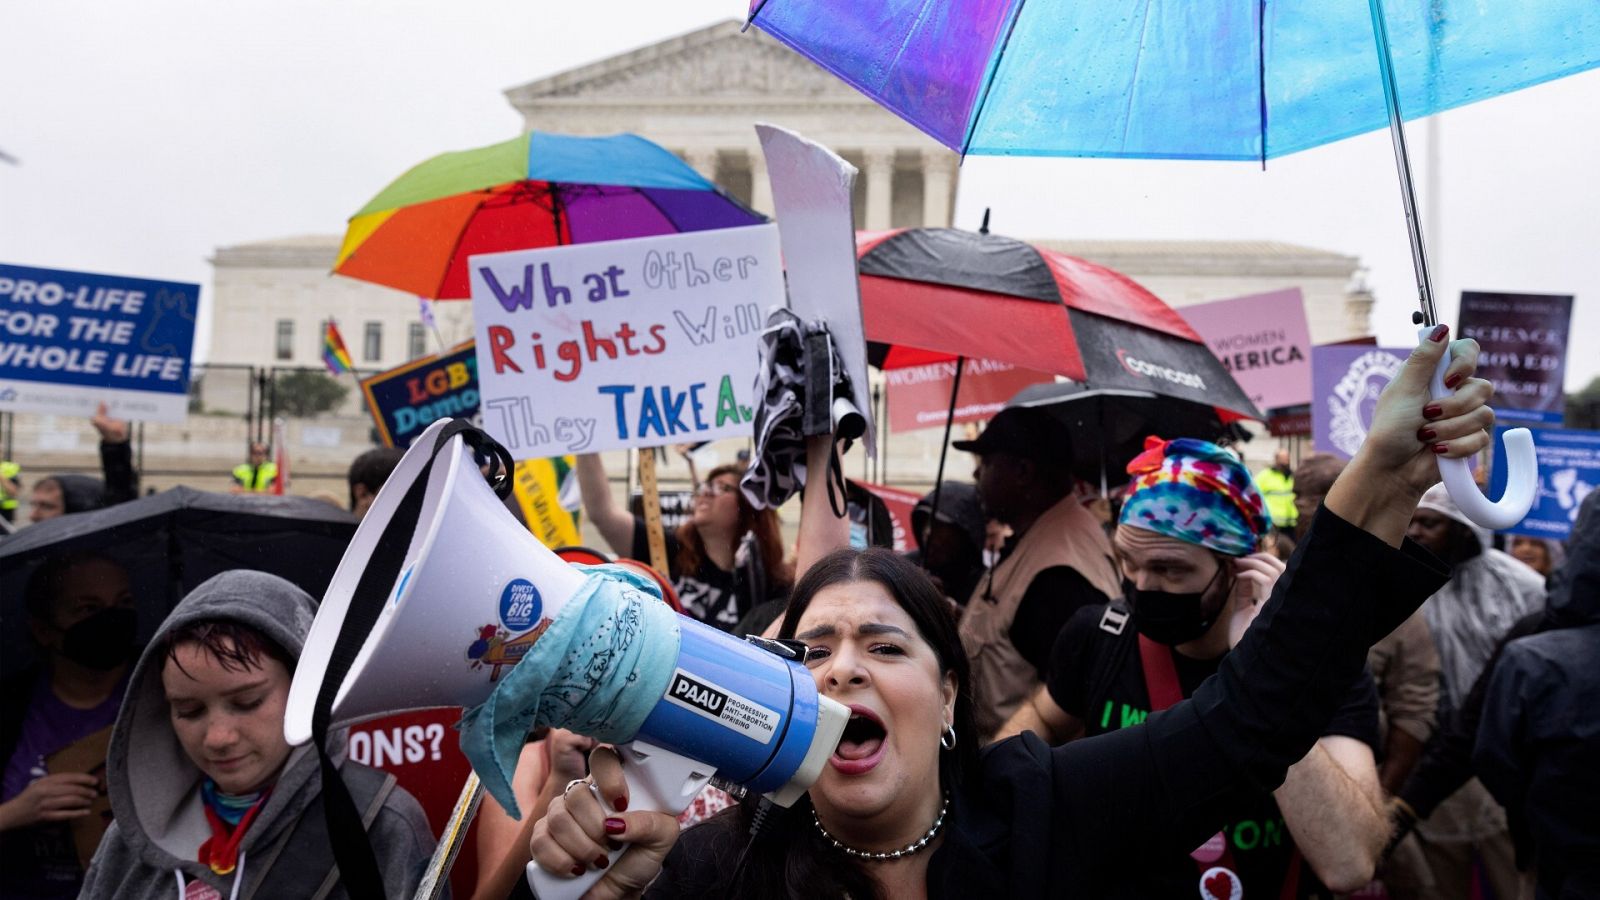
{"x":464,"y":592}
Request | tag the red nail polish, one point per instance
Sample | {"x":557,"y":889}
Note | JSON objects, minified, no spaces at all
{"x":613,"y":845}
{"x":577,"y":870}
{"x":1439,"y":331}
{"x":1426,"y":435}
{"x":1440,"y":448}
{"x":1432,"y":411}
{"x":621,"y":804}
{"x":616,"y":826}
{"x":1453,"y":380}
{"x":600,"y":862}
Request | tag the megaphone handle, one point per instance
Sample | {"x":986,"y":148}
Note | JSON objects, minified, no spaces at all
{"x":658,"y":780}
{"x":1522,"y":471}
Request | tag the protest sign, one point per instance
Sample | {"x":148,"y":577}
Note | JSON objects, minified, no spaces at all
{"x":404,"y":401}
{"x":421,"y":750}
{"x":900,"y":505}
{"x":615,"y":344}
{"x":919,"y":396}
{"x":677,"y":507}
{"x":1522,"y":340}
{"x":536,"y":483}
{"x":811,"y":192}
{"x":1569,"y":469}
{"x":1263,"y":340}
{"x":1345,"y":384}
{"x":70,"y":341}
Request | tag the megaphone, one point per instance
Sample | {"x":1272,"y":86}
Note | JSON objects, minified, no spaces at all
{"x":467,"y":592}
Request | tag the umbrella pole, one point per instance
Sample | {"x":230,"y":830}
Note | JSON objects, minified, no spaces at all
{"x":1402,"y":160}
{"x":944,"y":448}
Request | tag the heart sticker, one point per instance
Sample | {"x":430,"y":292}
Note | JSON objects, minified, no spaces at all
{"x":1217,"y":883}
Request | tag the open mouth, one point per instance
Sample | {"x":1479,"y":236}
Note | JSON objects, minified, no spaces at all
{"x":861,"y":745}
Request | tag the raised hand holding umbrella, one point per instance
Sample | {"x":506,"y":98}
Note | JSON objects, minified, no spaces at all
{"x":1167,"y":79}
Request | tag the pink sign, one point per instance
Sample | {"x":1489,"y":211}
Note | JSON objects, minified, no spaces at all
{"x":1263,"y":340}
{"x":919,"y":396}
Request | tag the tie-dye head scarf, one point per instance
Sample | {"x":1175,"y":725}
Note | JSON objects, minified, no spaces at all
{"x":1196,"y":492}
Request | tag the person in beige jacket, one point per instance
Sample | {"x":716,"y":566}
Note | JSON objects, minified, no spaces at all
{"x":1059,"y":560}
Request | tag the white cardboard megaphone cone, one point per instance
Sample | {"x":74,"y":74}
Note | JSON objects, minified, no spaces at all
{"x":475,"y":591}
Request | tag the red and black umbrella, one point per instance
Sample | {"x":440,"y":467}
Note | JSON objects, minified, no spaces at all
{"x":940,"y":294}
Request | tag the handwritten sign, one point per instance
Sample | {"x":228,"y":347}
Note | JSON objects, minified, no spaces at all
{"x":72,"y":340}
{"x":405,"y":400}
{"x":634,"y":343}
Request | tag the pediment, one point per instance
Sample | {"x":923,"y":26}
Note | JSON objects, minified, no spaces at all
{"x":719,"y":61}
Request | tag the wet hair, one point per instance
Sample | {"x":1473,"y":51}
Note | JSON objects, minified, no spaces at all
{"x":372,"y":468}
{"x":46,"y":583}
{"x":763,"y":523}
{"x":788,"y":858}
{"x":235,"y":646}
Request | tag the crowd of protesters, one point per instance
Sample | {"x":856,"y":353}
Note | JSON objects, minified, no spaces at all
{"x":1136,"y":693}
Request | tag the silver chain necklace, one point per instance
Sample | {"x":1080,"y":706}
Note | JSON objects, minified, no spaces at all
{"x":907,"y":850}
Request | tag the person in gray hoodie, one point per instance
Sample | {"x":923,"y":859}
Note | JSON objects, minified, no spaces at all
{"x":208,"y":799}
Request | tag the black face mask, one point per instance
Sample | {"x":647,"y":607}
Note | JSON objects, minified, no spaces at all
{"x":1173,"y":619}
{"x":103,"y":641}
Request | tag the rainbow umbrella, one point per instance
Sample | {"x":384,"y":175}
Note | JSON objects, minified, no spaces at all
{"x":537,"y":190}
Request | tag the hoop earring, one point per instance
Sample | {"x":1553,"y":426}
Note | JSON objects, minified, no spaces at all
{"x":947,"y":739}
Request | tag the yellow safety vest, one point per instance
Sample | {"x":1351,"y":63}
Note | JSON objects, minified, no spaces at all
{"x":11,"y":470}
{"x":1278,"y":490}
{"x":263,"y":476}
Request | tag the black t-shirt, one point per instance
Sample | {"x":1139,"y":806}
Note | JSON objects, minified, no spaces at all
{"x":1097,"y":677}
{"x":717,"y":597}
{"x":1050,"y":600}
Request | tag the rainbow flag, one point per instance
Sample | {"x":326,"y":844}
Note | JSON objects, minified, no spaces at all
{"x":334,"y":354}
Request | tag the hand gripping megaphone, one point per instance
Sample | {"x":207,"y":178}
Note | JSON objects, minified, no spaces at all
{"x":442,"y":593}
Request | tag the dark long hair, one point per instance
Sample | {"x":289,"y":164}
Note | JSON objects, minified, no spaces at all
{"x":788,"y":858}
{"x":763,"y":523}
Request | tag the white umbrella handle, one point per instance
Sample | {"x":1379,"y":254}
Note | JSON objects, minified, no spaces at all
{"x":1522,"y":471}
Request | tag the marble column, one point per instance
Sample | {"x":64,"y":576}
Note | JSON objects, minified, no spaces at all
{"x":702,"y":160}
{"x":878,"y":166}
{"x":938,"y":183}
{"x":760,"y":187}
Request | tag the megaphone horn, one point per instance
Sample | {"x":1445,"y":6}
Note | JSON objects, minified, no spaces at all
{"x":442,"y":595}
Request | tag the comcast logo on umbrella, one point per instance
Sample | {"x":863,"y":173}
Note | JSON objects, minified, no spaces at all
{"x":1150,"y":370}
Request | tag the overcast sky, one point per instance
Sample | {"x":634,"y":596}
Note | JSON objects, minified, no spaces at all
{"x":150,"y":133}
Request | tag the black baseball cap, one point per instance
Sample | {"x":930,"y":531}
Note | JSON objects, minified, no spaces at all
{"x":1025,"y":432}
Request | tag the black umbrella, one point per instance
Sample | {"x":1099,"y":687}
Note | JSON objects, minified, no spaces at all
{"x":172,"y":541}
{"x":1109,"y":425}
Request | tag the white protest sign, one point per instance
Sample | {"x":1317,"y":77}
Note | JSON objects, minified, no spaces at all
{"x":635,"y":343}
{"x":811,"y":188}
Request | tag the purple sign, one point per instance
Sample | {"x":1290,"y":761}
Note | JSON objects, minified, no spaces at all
{"x":1345,"y":383}
{"x":1523,"y":338}
{"x":1263,"y":339}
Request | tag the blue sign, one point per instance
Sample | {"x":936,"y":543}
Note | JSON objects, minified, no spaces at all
{"x":72,"y":340}
{"x":1569,"y":468}
{"x":406,"y":400}
{"x":520,"y":605}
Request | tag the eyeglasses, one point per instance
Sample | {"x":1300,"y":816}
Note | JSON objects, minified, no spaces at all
{"x":715,"y":489}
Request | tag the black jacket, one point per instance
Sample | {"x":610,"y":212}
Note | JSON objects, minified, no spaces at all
{"x":1068,"y":821}
{"x":1538,"y":745}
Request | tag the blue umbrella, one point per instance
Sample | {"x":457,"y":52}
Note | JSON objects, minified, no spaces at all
{"x":1179,"y":79}
{"x":1176,"y":79}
